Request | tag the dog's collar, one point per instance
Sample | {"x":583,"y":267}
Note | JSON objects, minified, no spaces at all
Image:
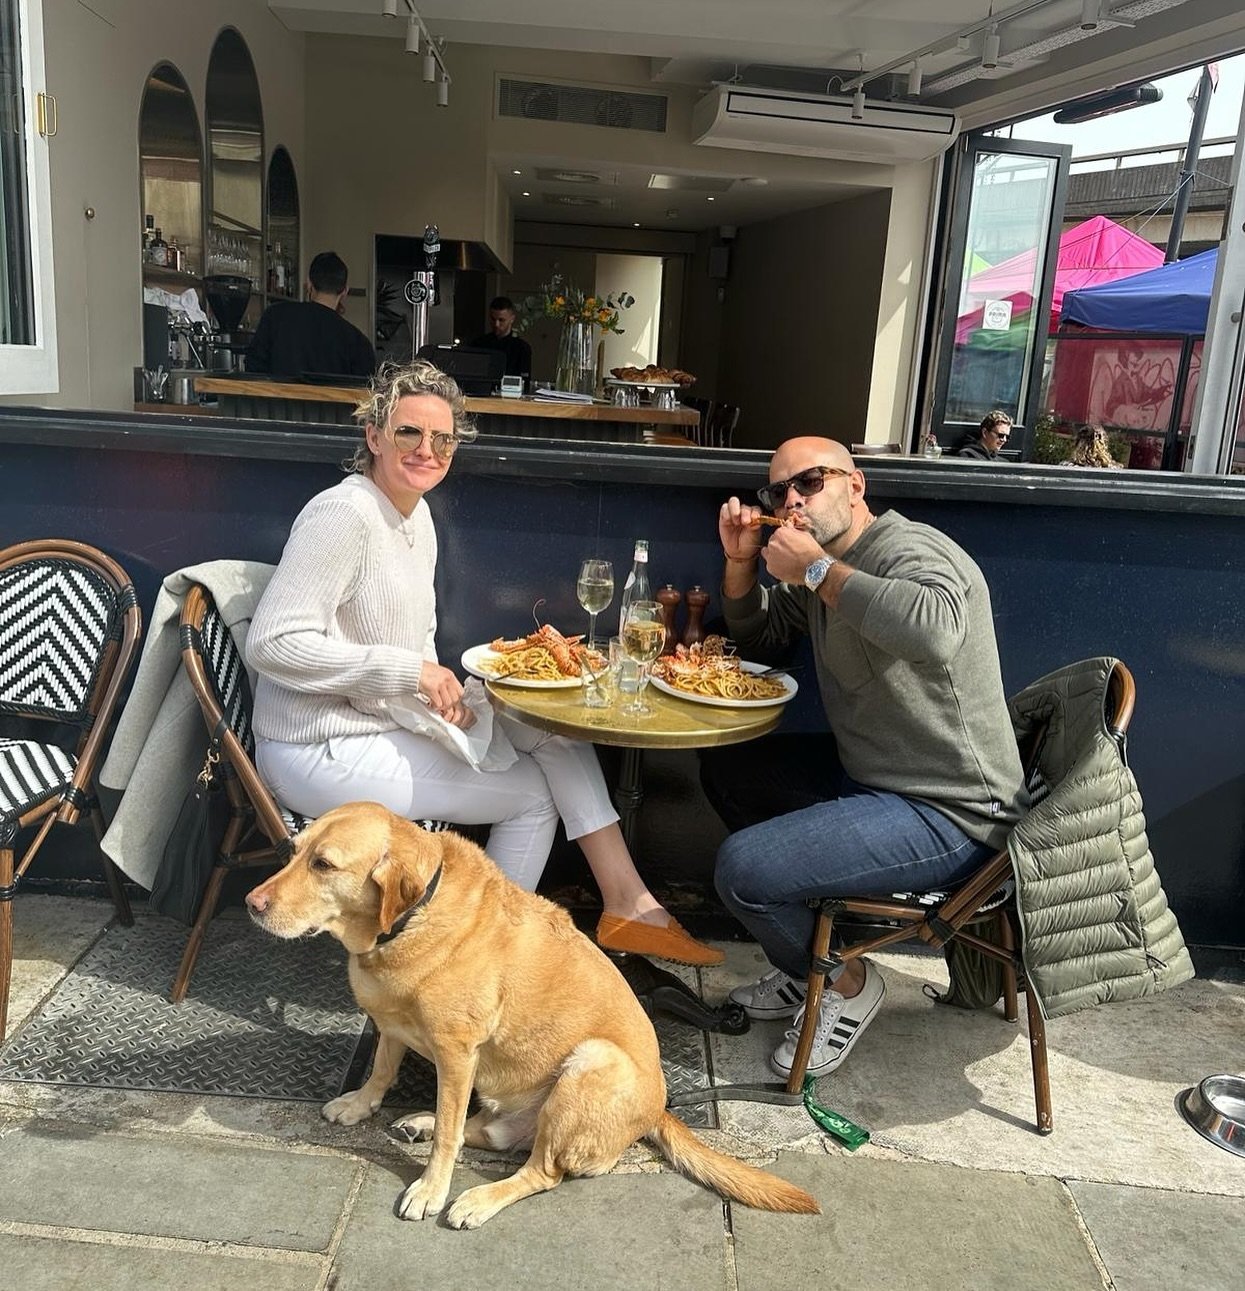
{"x":409,"y":913}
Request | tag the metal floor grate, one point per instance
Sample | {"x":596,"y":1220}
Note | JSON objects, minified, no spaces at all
{"x":265,"y":1018}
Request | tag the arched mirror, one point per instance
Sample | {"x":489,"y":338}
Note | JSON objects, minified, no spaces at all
{"x":235,"y":129}
{"x":170,"y":164}
{"x":283,"y":280}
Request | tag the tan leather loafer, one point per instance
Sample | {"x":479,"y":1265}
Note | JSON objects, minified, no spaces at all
{"x":671,"y":942}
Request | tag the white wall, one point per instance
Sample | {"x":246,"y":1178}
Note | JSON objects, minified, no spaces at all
{"x":98,"y":59}
{"x":639,"y":276}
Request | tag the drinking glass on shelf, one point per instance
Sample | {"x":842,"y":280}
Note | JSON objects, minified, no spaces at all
{"x":643,"y":635}
{"x":595,"y":589}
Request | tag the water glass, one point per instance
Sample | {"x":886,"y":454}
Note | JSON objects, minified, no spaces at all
{"x":624,"y":672}
{"x":594,"y":672}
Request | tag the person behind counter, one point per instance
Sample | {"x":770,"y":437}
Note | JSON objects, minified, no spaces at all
{"x":985,"y":442}
{"x":348,"y":624}
{"x":501,"y":317}
{"x":295,"y":337}
{"x":922,"y":779}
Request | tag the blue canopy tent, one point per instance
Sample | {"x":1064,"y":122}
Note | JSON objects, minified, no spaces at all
{"x":1174,"y":299}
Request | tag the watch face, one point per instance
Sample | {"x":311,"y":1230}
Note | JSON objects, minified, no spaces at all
{"x":815,"y":574}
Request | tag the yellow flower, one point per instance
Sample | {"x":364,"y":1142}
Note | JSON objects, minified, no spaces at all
{"x":559,"y":300}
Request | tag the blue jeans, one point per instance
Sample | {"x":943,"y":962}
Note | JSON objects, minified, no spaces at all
{"x":863,"y":843}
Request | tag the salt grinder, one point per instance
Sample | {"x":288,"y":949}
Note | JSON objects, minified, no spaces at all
{"x":669,"y":598}
{"x":697,"y":601}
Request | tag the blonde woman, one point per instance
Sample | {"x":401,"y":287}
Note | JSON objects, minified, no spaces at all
{"x":348,"y":624}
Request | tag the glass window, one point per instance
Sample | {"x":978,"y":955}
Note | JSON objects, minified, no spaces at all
{"x":27,"y":120}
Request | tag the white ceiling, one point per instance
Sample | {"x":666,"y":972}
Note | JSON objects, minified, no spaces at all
{"x":1045,"y":58}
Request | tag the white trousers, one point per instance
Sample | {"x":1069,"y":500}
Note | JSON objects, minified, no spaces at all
{"x":418,"y":779}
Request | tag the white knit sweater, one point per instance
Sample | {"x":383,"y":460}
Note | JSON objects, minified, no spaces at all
{"x":348,"y":618}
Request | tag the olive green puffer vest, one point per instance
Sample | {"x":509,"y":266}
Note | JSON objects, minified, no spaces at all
{"x":1094,"y":921}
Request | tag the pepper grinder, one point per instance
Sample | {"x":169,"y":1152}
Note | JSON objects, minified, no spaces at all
{"x":697,"y":601}
{"x":668,"y":598}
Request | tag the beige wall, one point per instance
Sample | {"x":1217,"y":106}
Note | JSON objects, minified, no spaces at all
{"x":98,"y":60}
{"x":801,"y":313}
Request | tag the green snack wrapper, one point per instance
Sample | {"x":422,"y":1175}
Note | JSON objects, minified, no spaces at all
{"x":847,"y":1132}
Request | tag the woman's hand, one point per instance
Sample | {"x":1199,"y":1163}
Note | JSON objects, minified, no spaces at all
{"x":461,"y":716}
{"x":442,"y":691}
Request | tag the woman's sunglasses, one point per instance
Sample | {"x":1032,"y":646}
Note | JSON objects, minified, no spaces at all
{"x":807,"y":483}
{"x":407,"y":439}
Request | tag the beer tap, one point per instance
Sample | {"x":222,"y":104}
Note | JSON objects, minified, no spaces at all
{"x":421,"y":291}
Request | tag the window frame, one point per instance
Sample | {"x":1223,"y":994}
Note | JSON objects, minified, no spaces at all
{"x":33,"y":369}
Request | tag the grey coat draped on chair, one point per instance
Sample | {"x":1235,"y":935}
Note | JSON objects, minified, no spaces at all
{"x":1095,"y":923}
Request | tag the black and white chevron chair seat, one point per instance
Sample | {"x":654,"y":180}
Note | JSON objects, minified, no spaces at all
{"x":296,"y":823}
{"x":55,"y":618}
{"x":30,"y":774}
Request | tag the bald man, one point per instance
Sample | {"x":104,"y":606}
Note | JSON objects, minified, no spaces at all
{"x":927,"y":780}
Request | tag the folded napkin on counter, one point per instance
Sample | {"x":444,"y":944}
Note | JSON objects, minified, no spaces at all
{"x":562,"y":396}
{"x":485,"y":746}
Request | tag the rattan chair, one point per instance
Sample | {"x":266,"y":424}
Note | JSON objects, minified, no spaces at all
{"x":981,"y":913}
{"x":260,"y":831}
{"x":69,"y":629}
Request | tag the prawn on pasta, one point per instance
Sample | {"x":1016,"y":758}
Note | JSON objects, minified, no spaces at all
{"x":543,"y":655}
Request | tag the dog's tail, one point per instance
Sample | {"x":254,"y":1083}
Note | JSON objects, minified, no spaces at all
{"x":733,"y":1179}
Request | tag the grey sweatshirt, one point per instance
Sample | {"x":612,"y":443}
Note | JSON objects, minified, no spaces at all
{"x":909,"y":673}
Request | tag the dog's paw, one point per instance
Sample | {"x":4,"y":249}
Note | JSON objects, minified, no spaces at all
{"x":419,"y":1202}
{"x":473,"y":1208}
{"x":416,"y":1127}
{"x":349,"y":1109}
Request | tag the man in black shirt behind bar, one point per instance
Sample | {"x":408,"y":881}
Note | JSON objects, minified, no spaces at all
{"x":298,"y":337}
{"x":501,"y":317}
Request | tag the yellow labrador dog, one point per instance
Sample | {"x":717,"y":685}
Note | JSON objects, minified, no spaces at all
{"x":497,"y":988}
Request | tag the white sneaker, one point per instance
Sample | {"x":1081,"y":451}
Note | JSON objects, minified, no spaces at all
{"x":838,"y":1027}
{"x":773,"y":996}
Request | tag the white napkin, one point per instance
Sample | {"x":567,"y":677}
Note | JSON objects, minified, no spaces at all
{"x":485,"y":746}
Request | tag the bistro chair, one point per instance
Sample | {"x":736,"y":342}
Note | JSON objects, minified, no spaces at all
{"x":260,"y":831}
{"x":69,"y":629}
{"x":980,"y":913}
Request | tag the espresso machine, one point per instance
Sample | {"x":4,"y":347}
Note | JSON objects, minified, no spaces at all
{"x":228,"y":295}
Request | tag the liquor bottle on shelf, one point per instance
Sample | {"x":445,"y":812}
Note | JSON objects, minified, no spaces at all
{"x":278,"y":262}
{"x":173,"y":257}
{"x":697,"y":601}
{"x":271,"y":279}
{"x":149,"y":235}
{"x":669,"y":597}
{"x":159,"y":250}
{"x":636,"y":586}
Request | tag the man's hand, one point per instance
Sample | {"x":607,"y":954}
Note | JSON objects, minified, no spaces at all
{"x":789,"y":552}
{"x":442,"y":690}
{"x":737,"y":527}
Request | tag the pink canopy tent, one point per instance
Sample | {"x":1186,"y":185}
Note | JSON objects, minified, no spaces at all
{"x":1097,"y":250}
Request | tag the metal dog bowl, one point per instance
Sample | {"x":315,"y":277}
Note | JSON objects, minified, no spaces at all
{"x":1216,"y":1109}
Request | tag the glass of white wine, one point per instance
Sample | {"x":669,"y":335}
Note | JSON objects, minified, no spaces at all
{"x":643,"y":635}
{"x":595,"y":589}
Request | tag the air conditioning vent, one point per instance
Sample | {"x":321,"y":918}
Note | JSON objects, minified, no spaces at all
{"x":581,"y":105}
{"x":579,"y":199}
{"x":551,"y":175}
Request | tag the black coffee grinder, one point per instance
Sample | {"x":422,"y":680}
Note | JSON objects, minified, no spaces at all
{"x":228,"y":295}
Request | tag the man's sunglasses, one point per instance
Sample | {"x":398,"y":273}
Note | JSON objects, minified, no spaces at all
{"x":407,"y":439}
{"x":807,"y":483}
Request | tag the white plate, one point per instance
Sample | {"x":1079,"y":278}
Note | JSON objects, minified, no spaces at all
{"x":474,"y":655}
{"x":646,"y":385}
{"x":788,"y":684}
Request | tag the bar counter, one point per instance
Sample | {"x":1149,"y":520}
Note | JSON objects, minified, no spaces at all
{"x":544,"y":418}
{"x":1142,"y":565}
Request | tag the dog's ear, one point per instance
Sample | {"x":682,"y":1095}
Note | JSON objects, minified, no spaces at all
{"x":400,"y":886}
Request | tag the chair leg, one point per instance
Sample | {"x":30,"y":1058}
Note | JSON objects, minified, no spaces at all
{"x":812,"y":1005}
{"x":112,"y":876}
{"x":6,"y":932}
{"x":1007,"y":939}
{"x":1041,"y":1067}
{"x":207,"y":908}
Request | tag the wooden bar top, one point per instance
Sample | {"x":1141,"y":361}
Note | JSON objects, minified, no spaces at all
{"x":498,"y":407}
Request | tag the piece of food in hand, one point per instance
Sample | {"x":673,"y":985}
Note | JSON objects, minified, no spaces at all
{"x":792,"y":521}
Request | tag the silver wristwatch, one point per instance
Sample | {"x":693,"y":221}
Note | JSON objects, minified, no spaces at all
{"x":816,"y":573}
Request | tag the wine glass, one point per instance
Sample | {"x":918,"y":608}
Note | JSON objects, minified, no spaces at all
{"x":643,"y":635}
{"x":595,"y":589}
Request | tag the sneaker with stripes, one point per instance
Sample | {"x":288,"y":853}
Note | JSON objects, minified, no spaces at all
{"x":838,"y":1027}
{"x":774,"y":996}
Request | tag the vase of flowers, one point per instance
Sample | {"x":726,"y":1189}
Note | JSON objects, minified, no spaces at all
{"x":580,"y":315}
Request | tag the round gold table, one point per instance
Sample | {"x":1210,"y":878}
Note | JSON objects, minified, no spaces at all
{"x":673,"y":724}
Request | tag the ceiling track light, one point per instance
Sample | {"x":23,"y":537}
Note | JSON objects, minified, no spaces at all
{"x":1091,"y":14}
{"x":443,"y":91}
{"x":914,"y":79}
{"x":412,"y":35}
{"x":390,"y":8}
{"x":858,"y":104}
{"x":990,"y":49}
{"x":430,"y":64}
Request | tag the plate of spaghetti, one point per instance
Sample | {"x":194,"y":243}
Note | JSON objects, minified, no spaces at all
{"x":705,"y":674}
{"x":543,"y":660}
